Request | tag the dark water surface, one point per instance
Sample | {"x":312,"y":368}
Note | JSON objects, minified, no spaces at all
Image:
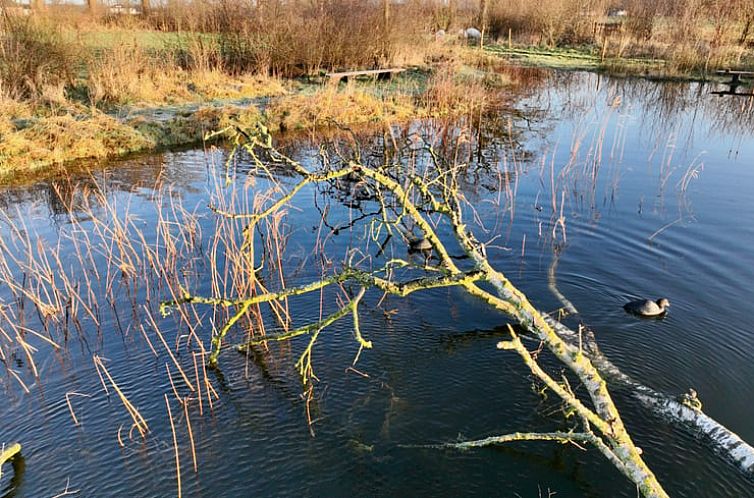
{"x":656,"y":186}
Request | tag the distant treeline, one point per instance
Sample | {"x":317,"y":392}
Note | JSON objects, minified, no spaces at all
{"x":552,"y":21}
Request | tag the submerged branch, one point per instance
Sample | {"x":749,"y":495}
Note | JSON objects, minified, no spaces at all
{"x":559,"y":436}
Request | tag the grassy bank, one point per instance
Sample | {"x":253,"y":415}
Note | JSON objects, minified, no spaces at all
{"x":80,"y":87}
{"x":582,"y":58}
{"x":590,"y":59}
{"x":684,"y":38}
{"x":77,"y":84}
{"x":106,"y":92}
{"x":33,"y":144}
{"x":36,"y":137}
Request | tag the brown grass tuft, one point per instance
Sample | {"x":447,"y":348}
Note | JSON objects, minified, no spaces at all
{"x":330,"y":105}
{"x":33,"y":55}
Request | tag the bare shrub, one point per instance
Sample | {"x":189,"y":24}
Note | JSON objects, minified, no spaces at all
{"x":296,"y":38}
{"x":566,"y":22}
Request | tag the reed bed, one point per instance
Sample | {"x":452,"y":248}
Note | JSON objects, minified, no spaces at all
{"x":103,"y":275}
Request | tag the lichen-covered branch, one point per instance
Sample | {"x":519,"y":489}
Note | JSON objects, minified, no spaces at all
{"x":401,"y":289}
{"x":617,"y":445}
{"x":516,"y":345}
{"x":558,"y":436}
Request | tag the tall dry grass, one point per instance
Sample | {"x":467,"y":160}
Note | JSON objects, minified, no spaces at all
{"x":106,"y":66}
{"x":453,"y":91}
{"x":189,"y":67}
{"x":549,"y":22}
{"x":297,"y":37}
{"x":301,"y":37}
{"x":127,"y":74}
{"x":34,"y":55}
{"x":332,"y":106}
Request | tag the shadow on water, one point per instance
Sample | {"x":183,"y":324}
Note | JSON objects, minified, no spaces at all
{"x":18,"y":465}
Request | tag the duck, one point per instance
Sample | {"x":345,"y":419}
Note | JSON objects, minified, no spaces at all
{"x":691,"y":399}
{"x":645,"y":307}
{"x":419,"y":245}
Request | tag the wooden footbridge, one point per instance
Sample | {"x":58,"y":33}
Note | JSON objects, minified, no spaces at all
{"x":380,"y":74}
{"x":735,"y":82}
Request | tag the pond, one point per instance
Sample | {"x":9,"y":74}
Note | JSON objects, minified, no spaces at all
{"x":604,"y":189}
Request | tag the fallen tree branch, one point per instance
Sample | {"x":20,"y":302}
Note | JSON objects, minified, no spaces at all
{"x":559,"y":437}
{"x":618,"y":445}
{"x":723,"y":441}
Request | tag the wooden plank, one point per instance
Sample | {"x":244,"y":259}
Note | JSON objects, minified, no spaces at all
{"x":366,"y":72}
{"x":724,"y":72}
{"x":734,"y":93}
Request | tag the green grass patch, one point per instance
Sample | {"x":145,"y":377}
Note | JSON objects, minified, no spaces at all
{"x":570,"y":58}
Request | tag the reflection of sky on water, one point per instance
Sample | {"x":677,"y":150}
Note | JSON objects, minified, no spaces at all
{"x":435,"y":374}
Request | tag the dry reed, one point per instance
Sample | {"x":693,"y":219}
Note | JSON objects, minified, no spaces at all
{"x":175,"y":447}
{"x":139,"y":422}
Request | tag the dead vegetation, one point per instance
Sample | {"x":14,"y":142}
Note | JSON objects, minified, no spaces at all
{"x":70,"y":72}
{"x":691,"y":36}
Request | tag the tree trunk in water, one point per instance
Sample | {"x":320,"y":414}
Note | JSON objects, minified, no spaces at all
{"x":723,"y":441}
{"x":603,"y":424}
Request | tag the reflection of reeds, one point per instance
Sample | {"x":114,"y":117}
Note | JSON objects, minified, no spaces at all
{"x":692,"y":172}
